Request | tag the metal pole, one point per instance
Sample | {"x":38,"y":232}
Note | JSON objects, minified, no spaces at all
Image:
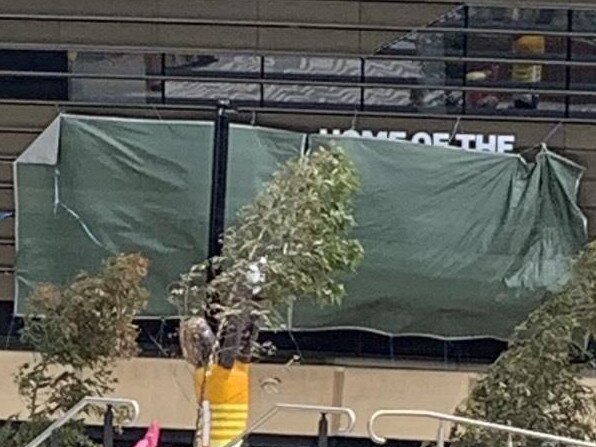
{"x":441,"y":435}
{"x":218,"y":179}
{"x":323,"y":434}
{"x":108,"y":427}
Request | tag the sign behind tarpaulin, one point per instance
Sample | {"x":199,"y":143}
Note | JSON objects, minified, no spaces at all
{"x":457,"y":243}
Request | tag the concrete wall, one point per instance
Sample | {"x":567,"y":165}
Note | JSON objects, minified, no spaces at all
{"x":164,"y":391}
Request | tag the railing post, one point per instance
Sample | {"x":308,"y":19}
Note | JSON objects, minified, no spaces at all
{"x":323,"y":433}
{"x":108,"y":427}
{"x":441,"y":435}
{"x":509,"y":440}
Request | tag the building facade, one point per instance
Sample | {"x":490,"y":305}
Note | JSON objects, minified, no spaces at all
{"x":489,"y":75}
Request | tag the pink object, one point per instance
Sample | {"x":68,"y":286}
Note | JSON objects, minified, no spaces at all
{"x":151,"y":438}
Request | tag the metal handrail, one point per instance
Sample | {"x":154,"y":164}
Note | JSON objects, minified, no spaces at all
{"x":441,"y":417}
{"x":298,"y":407}
{"x":78,"y":407}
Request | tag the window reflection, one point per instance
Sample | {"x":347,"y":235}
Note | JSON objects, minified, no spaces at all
{"x":496,"y":74}
{"x":239,"y":65}
{"x":189,"y":92}
{"x":304,"y":67}
{"x":310,"y":95}
{"x":23,"y":87}
{"x":423,"y":67}
{"x":517,"y":18}
{"x":515,"y":104}
{"x":516,"y":47}
{"x":394,"y":99}
{"x":582,"y":106}
{"x":413,"y":72}
{"x":115,"y":90}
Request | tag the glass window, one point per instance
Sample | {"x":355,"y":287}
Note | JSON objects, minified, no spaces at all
{"x":239,"y":65}
{"x":496,"y":74}
{"x":517,"y":18}
{"x":115,"y":90}
{"x":185,"y":92}
{"x":311,"y":96}
{"x":427,"y":43}
{"x":583,"y":48}
{"x":517,"y":104}
{"x":583,"y":20}
{"x":413,"y":72}
{"x":582,"y":106}
{"x":23,"y":87}
{"x":412,"y":100}
{"x":583,"y":78}
{"x":517,"y":46}
{"x":299,"y":67}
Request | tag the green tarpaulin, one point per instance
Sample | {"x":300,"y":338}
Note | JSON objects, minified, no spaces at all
{"x":102,"y":186}
{"x":457,"y":243}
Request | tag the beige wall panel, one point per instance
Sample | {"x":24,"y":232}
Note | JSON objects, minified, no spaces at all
{"x":587,"y":193}
{"x":580,"y":136}
{"x":108,"y":33}
{"x":303,"y":122}
{"x":585,"y":158}
{"x":163,"y":388}
{"x":298,"y":384}
{"x":143,"y":8}
{"x":5,"y":171}
{"x":104,"y":7}
{"x":207,"y":36}
{"x":309,"y":11}
{"x":400,"y":13}
{"x":367,"y":390}
{"x":13,"y":143}
{"x":371,"y":41}
{"x":313,"y":40}
{"x":527,"y":134}
{"x":6,"y":294}
{"x":30,"y":31}
{"x":6,"y":199}
{"x":209,"y":9}
{"x":7,"y":228}
{"x":7,"y":255}
{"x":26,"y":116}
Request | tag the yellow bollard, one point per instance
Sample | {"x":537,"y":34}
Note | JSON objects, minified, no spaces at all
{"x":226,"y":390}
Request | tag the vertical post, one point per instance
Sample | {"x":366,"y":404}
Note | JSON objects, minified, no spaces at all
{"x":509,"y":440}
{"x":464,"y":93}
{"x":568,"y":57}
{"x":441,"y":435}
{"x":323,"y":434}
{"x":108,"y":427}
{"x":206,"y":423}
{"x":218,"y":179}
